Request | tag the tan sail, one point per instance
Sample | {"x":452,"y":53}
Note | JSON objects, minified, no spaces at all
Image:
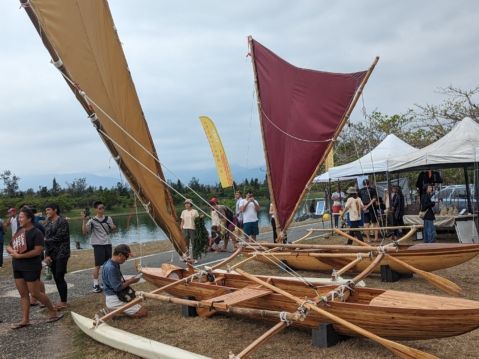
{"x":84,"y":45}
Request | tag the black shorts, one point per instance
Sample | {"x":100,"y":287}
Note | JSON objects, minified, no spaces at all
{"x":27,"y":275}
{"x":102,"y":253}
{"x":371,"y":217}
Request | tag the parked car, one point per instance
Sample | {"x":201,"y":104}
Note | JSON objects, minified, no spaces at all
{"x":454,"y":195}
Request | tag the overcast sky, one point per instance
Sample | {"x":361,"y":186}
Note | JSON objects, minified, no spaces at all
{"x":187,"y":59}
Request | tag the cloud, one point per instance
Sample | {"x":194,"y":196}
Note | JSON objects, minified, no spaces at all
{"x":188,"y":59}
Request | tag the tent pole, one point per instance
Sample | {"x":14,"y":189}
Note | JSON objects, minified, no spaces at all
{"x":468,"y":190}
{"x":388,"y":188}
{"x":330,"y":201}
{"x":476,"y":190}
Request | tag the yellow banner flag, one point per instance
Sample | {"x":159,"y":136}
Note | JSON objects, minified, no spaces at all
{"x":222,"y":165}
{"x":329,"y":161}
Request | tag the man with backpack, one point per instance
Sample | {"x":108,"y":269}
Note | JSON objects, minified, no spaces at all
{"x":100,"y":227}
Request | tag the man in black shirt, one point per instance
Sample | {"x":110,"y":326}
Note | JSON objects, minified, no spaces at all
{"x":369,"y":197}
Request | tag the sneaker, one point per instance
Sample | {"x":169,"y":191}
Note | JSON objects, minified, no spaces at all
{"x":97,"y":289}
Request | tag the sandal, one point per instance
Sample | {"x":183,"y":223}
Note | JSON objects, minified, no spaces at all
{"x":19,"y":325}
{"x":54,"y":319}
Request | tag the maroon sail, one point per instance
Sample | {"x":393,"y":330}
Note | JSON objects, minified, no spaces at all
{"x":301,"y":112}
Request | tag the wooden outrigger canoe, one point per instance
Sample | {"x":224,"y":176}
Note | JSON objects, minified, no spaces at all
{"x":386,"y":313}
{"x":427,"y":257}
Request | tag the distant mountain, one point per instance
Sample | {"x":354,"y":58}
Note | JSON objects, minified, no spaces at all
{"x":205,"y":176}
{"x":36,"y":181}
{"x":210,"y":176}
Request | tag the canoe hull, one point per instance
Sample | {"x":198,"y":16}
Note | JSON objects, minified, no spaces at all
{"x":390,"y":314}
{"x":131,"y":343}
{"x":428,"y":257}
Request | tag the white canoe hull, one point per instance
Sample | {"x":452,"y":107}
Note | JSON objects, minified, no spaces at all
{"x":131,"y":343}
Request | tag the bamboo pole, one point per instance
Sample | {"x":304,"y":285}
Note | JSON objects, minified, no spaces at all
{"x":258,"y":313}
{"x":400,"y":350}
{"x":440,"y":282}
{"x":357,"y":241}
{"x":263,"y":338}
{"x":355,"y":280}
{"x":258,"y":102}
{"x":353,"y":255}
{"x":416,"y":226}
{"x":349,"y":266}
{"x":325,"y":247}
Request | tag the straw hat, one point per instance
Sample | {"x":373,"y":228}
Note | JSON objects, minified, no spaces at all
{"x":352,"y":190}
{"x":188,"y":201}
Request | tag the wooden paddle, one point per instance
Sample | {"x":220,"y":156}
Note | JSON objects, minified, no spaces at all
{"x":400,"y":350}
{"x":440,"y":282}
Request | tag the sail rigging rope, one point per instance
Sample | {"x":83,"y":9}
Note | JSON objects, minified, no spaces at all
{"x":272,"y":258}
{"x":363,"y":110}
{"x":290,"y":135}
{"x":275,"y":261}
{"x":367,"y":118}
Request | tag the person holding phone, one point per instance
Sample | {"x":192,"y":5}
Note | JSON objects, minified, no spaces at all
{"x":250,"y":208}
{"x":114,"y":282}
{"x":100,"y":227}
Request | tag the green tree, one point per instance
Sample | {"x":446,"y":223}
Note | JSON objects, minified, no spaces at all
{"x":10,"y":183}
{"x":56,"y":189}
{"x":78,"y":186}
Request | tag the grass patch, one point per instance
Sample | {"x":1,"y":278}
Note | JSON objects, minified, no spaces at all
{"x":218,"y":335}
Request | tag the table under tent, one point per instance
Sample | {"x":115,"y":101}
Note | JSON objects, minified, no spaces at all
{"x":457,"y":149}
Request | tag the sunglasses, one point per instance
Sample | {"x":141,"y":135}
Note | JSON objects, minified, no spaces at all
{"x":126,"y":255}
{"x":101,"y":207}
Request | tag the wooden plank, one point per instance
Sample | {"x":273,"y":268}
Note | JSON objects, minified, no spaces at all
{"x":238,"y":296}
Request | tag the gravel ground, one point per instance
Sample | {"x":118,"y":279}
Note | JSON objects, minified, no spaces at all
{"x":55,"y":340}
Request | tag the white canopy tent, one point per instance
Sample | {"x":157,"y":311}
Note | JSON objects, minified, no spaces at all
{"x":378,"y":160}
{"x":455,"y":149}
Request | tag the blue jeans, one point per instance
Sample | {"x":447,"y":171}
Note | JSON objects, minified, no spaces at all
{"x":429,"y":231}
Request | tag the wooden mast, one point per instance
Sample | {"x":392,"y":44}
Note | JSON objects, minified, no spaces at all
{"x":338,"y":130}
{"x":258,"y":102}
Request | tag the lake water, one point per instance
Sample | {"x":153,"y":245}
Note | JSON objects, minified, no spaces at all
{"x":132,"y":231}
